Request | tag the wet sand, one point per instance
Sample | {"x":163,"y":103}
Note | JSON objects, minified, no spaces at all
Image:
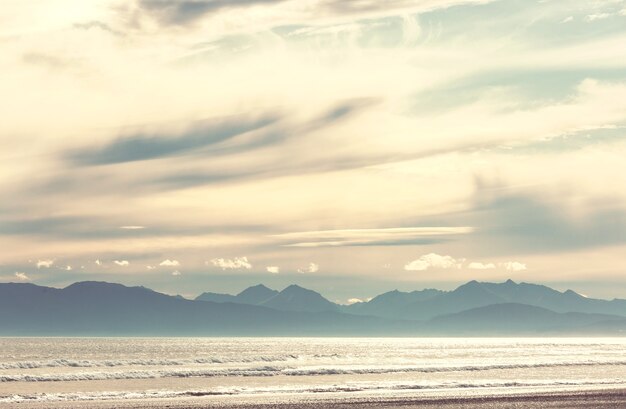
{"x":615,"y":398}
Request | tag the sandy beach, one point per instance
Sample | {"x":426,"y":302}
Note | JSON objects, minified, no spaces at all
{"x":615,"y":398}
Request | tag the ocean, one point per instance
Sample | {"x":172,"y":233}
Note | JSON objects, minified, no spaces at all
{"x":145,"y":369}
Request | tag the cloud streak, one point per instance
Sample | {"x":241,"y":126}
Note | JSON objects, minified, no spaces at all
{"x":180,"y":12}
{"x":141,"y":147}
{"x":363,"y":237}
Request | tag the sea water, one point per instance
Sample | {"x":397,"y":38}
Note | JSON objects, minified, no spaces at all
{"x":87,"y":369}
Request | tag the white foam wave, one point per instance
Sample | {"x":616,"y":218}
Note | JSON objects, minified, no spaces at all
{"x":277,"y":370}
{"x":71,"y":363}
{"x":341,"y":388}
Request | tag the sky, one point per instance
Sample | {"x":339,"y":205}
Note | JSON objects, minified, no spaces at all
{"x":350,"y":146}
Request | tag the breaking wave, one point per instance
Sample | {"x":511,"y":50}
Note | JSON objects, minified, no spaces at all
{"x":347,"y":388}
{"x":277,"y":370}
{"x":71,"y":363}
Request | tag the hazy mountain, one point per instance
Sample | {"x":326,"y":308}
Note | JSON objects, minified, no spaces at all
{"x":388,"y":304}
{"x":423,"y":305}
{"x":546,"y":297}
{"x":430,"y":303}
{"x":469,"y":295}
{"x":256,"y":295}
{"x":503,"y":319}
{"x":217,"y":297}
{"x":296,"y":298}
{"x":292,"y":298}
{"x":96,"y":308}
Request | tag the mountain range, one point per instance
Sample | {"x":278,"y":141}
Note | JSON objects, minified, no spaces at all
{"x":292,"y":298}
{"x":474,"y":308}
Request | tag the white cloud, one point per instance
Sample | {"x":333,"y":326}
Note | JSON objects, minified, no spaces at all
{"x":67,"y":268}
{"x":598,"y":16}
{"x":568,"y":19}
{"x":433,"y":260}
{"x":176,"y":273}
{"x":22,"y":276}
{"x":45,"y":263}
{"x":232,"y":264}
{"x":98,"y":262}
{"x":312,"y":268}
{"x":354,"y":301}
{"x":481,"y":266}
{"x":122,"y":263}
{"x":169,"y":263}
{"x":273,"y":269}
{"x":514,"y":266}
{"x":150,"y":267}
{"x":132,"y":227}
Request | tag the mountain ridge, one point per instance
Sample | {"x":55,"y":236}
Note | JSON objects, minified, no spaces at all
{"x":427,"y":303}
{"x":100,"y":308}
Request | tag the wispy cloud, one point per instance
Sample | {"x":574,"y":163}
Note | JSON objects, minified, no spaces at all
{"x":359,"y":237}
{"x":147,"y":146}
{"x":273,"y":269}
{"x":185,"y":13}
{"x":179,"y":12}
{"x":122,"y":263}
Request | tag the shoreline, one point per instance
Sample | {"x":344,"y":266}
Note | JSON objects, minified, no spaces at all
{"x":613,"y":398}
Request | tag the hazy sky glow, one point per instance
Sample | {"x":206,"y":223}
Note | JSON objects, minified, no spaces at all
{"x":353,"y":146}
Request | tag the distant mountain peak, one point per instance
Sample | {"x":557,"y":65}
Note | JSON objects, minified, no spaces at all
{"x":93,"y":285}
{"x":256,"y":294}
{"x":80,"y":284}
{"x":261,"y":286}
{"x":295,"y":287}
{"x":470,"y":284}
{"x":296,"y":298}
{"x":574,"y":294}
